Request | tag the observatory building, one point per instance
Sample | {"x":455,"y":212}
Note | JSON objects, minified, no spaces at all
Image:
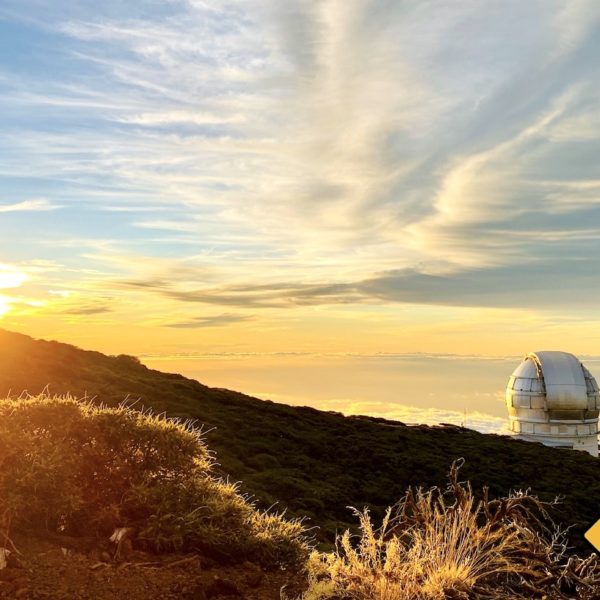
{"x":553,"y":399}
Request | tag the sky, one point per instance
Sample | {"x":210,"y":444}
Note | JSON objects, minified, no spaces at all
{"x":272,"y":193}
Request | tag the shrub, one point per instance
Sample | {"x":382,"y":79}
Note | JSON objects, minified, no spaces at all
{"x":441,"y":544}
{"x":71,"y":467}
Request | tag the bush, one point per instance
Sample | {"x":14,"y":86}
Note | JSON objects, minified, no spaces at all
{"x":68,"y":466}
{"x":440,"y":544}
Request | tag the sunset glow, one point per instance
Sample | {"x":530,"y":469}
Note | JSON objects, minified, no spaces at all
{"x":10,"y":278}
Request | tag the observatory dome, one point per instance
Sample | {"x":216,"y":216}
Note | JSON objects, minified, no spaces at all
{"x":552,"y":398}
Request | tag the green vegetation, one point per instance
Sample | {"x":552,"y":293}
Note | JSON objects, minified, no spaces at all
{"x":78,"y":469}
{"x":313,"y":463}
{"x":441,"y":544}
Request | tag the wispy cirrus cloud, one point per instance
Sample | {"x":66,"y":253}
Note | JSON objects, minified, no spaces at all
{"x":32,"y":205}
{"x":291,"y":155}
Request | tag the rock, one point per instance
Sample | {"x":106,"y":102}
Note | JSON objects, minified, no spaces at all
{"x":222,"y":587}
{"x":254,"y":574}
{"x":106,"y":557}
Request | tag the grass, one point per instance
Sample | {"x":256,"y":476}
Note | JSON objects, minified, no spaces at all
{"x":440,"y":544}
{"x":312,"y":463}
{"x":78,"y":469}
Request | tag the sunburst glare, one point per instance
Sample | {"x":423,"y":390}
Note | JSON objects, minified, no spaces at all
{"x":4,"y":306}
{"x":10,"y":278}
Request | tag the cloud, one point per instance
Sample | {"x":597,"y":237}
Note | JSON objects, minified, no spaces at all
{"x":271,"y":295}
{"x":11,"y":277}
{"x":86,"y":310}
{"x":403,"y":413}
{"x":374,"y":152}
{"x":33,"y":205}
{"x":182,"y":117}
{"x":412,"y":415}
{"x":527,"y":285}
{"x":446,"y":356}
{"x":74,"y":305}
{"x":211,"y":321}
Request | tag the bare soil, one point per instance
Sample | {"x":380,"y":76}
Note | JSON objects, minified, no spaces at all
{"x":47,"y":571}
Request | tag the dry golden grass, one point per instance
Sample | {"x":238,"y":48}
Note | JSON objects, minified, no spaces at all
{"x":440,"y":544}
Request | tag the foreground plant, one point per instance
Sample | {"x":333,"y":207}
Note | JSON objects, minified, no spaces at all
{"x":439,"y":544}
{"x":71,"y":467}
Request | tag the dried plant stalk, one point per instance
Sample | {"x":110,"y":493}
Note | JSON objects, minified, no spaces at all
{"x":445,"y":543}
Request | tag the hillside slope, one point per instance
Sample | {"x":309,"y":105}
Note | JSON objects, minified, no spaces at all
{"x":313,"y":463}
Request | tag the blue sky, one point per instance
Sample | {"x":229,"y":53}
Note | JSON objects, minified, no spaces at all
{"x":338,"y":176}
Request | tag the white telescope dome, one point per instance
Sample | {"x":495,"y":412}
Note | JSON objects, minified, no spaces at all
{"x":553,"y":399}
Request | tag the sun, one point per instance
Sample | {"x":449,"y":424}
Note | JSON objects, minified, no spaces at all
{"x":9,"y":278}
